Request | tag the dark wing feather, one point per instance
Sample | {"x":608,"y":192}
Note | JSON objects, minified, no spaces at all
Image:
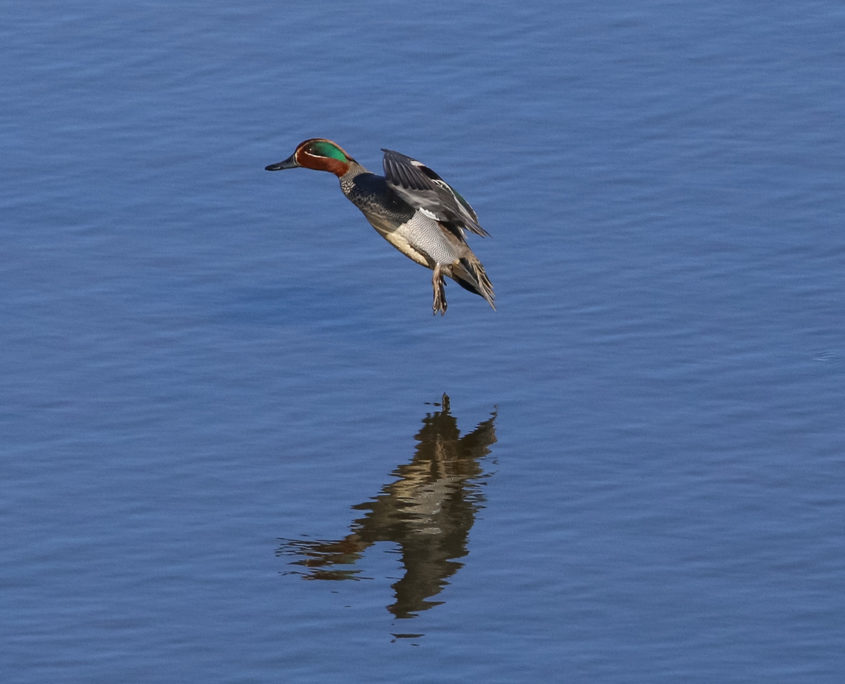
{"x":423,"y":189}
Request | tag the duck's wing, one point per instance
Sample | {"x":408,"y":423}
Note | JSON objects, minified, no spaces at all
{"x":420,"y":187}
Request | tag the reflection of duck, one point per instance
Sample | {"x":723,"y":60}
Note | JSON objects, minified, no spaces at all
{"x":411,"y":207}
{"x":428,"y":511}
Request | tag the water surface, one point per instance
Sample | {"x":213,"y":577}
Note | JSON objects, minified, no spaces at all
{"x":236,"y":446}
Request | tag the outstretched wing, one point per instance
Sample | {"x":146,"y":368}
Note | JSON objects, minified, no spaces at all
{"x":420,"y":187}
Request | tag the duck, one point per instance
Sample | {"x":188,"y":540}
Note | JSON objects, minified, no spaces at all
{"x":412,"y":208}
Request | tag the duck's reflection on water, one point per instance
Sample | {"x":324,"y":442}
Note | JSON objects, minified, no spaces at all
{"x":427,"y":512}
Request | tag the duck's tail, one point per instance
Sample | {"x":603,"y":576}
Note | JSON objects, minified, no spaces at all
{"x":470,"y":275}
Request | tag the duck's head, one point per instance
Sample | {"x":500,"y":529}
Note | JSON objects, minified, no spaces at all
{"x":319,"y":154}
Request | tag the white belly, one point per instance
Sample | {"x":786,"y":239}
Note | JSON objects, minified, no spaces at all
{"x":423,"y":240}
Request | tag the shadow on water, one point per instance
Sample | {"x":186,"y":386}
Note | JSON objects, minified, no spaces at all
{"x":427,"y":512}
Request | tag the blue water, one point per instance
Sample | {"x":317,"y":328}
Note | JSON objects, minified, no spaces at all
{"x":235,"y":445}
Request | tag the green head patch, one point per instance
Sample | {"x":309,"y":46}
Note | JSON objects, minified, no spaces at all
{"x":324,"y":148}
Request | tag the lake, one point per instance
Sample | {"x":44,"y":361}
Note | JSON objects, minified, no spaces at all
{"x":236,"y":446}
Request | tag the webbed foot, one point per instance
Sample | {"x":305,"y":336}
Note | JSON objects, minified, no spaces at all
{"x":439,"y":286}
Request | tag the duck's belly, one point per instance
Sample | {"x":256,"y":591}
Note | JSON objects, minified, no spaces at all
{"x":421,"y":239}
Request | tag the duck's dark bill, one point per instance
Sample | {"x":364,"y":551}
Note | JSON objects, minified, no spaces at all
{"x":289,"y":163}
